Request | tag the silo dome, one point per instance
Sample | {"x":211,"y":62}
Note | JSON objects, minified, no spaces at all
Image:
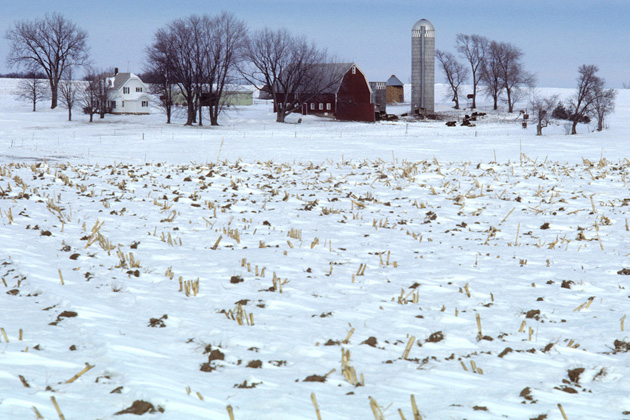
{"x":428,"y":26}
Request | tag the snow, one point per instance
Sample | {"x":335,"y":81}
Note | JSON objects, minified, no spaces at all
{"x":386,"y":231}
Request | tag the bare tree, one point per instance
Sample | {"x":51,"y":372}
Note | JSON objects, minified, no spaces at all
{"x":473,"y":48}
{"x":229,"y":38}
{"x":512,"y":74}
{"x":542,"y":109}
{"x":68,"y":91}
{"x":50,"y":44}
{"x":604,"y":104}
{"x":90,"y":94}
{"x":159,"y":73}
{"x":200,"y":54}
{"x":173,"y":49}
{"x":583,"y":101}
{"x":490,"y":73}
{"x":454,"y":71}
{"x":32,"y":89}
{"x":291,"y":66}
{"x":160,"y":84}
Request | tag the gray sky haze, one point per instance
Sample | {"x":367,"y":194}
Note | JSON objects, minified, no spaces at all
{"x":556,"y":36}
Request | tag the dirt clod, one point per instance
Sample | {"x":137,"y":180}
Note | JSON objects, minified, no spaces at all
{"x":236,"y":279}
{"x":245,"y":385}
{"x":64,"y":314}
{"x":216,"y":354}
{"x":139,"y":408}
{"x":574,"y":374}
{"x":254,"y":364}
{"x":534,"y":313}
{"x":371,"y":341}
{"x":621,"y":346}
{"x":315,"y":378}
{"x":158,"y":322}
{"x":207,"y":367}
{"x":527,"y":394}
{"x":436,"y":337}
{"x":505,"y":351}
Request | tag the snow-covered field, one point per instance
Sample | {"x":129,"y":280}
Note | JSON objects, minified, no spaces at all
{"x":483,"y":271}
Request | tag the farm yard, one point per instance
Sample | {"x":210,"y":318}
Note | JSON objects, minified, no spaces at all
{"x":317,"y":270}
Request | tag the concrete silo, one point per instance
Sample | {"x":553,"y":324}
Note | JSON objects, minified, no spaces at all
{"x":422,"y":67}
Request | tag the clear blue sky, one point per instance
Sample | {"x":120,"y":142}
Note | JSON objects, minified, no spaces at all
{"x":556,"y":36}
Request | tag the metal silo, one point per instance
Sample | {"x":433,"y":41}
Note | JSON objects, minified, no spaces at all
{"x":422,"y":67}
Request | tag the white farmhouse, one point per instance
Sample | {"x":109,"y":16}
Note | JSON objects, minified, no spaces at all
{"x":127,"y":94}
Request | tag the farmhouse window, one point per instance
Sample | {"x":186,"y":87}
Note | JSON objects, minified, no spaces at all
{"x":321,"y":107}
{"x":138,"y":89}
{"x":125,"y":90}
{"x":312,"y":106}
{"x":328,"y":106}
{"x":145,"y":103}
{"x":123,"y":104}
{"x":354,"y":69}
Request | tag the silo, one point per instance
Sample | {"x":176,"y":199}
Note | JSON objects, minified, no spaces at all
{"x":422,"y":67}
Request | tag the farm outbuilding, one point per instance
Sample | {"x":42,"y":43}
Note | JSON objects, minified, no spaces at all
{"x":232,"y":95}
{"x":348,"y":98}
{"x":379,"y":96}
{"x":395,"y":90}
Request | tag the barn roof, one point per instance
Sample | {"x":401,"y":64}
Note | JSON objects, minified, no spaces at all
{"x":327,"y":75}
{"x":334,"y":72}
{"x":394,"y":81}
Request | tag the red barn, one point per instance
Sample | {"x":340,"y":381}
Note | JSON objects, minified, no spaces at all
{"x":347,"y":99}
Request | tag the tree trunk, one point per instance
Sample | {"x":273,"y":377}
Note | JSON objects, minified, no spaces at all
{"x":213,"y":111}
{"x":34,"y":104}
{"x":574,"y":126}
{"x":191,"y":114}
{"x":69,"y":114}
{"x":509,"y":100}
{"x":214,"y":116}
{"x":53,"y":95}
{"x":539,"y":130}
{"x":474,"y":104}
{"x":91,"y":117}
{"x":280,"y":116}
{"x":168,"y":114}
